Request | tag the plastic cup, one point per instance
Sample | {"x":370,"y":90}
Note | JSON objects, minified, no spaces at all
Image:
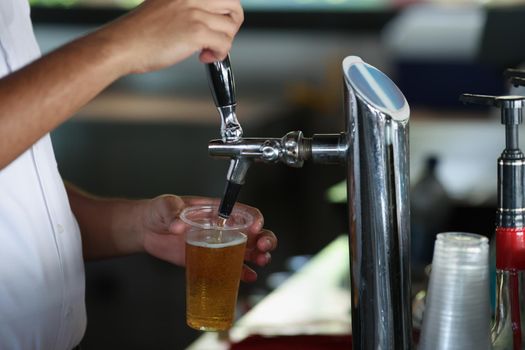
{"x":214,"y":259}
{"x":457,"y":312}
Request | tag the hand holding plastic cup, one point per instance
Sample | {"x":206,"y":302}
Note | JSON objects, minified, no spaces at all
{"x":214,"y":260}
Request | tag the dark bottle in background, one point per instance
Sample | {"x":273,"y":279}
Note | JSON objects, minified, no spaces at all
{"x":431,"y":209}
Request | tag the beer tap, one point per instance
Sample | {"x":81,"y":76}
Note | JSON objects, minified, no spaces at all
{"x":374,"y":149}
{"x":222,"y":85}
{"x":292,"y":149}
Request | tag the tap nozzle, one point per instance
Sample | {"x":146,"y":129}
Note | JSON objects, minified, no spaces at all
{"x":235,"y":179}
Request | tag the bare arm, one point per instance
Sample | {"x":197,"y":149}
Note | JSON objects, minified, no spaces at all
{"x":109,"y":227}
{"x":37,"y":98}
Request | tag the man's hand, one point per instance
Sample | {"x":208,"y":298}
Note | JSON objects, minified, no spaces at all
{"x":162,"y":232}
{"x":37,"y":98}
{"x":160,"y":33}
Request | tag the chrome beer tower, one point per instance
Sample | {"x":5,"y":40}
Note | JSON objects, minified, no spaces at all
{"x":374,"y":148}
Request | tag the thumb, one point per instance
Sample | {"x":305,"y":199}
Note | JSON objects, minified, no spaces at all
{"x":177,"y":226}
{"x":163,"y":211}
{"x":172,"y":205}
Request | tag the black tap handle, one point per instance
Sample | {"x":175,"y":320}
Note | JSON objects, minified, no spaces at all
{"x":483,"y":100}
{"x":496,"y":101}
{"x":511,"y":106}
{"x":222,"y":84}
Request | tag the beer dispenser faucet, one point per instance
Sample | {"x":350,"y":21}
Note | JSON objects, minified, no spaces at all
{"x":374,"y":149}
{"x":222,"y":85}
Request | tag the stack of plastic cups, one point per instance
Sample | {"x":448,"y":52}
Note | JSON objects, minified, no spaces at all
{"x":457,"y":313}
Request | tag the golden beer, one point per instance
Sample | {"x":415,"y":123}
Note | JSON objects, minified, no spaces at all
{"x":214,"y":261}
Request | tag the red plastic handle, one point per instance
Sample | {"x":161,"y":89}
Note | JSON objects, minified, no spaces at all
{"x":510,"y":248}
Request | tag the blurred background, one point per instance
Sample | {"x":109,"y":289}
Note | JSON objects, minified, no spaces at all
{"x":147,"y":135}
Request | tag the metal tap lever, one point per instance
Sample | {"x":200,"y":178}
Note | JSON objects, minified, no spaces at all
{"x":222,"y":85}
{"x":292,"y":149}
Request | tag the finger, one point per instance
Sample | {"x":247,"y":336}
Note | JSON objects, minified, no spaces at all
{"x":207,"y":56}
{"x":172,"y":205}
{"x":232,"y":8}
{"x":248,"y":274}
{"x":259,"y":258}
{"x":178,"y":227}
{"x":258,"y":218}
{"x":196,"y":200}
{"x":170,"y":210}
{"x":218,"y":23}
{"x":160,"y":211}
{"x":218,"y":43}
{"x":266,"y":241}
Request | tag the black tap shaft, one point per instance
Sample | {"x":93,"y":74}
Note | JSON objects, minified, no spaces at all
{"x":229,"y":198}
{"x":222,"y":84}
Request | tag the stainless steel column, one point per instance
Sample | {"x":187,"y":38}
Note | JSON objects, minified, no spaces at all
{"x":377,"y":117}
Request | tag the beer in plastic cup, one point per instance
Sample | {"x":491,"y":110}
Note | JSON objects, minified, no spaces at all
{"x":214,"y":260}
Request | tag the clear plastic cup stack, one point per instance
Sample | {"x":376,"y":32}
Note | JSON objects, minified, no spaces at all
{"x":457,"y":313}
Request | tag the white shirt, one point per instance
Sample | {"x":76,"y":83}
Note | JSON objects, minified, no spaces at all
{"x":41,"y":268}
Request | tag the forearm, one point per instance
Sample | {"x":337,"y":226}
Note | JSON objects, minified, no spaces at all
{"x":159,"y":33}
{"x":40,"y":96}
{"x":109,"y":227}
